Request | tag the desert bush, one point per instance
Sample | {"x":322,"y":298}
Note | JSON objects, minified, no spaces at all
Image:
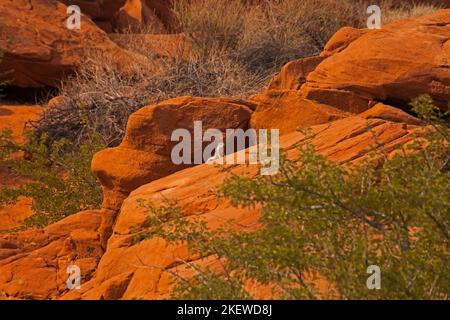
{"x":211,"y":26}
{"x":211,"y":76}
{"x":322,"y":221}
{"x":100,"y":99}
{"x":59,"y":179}
{"x":264,"y":35}
{"x":280,"y":31}
{"x":147,"y":26}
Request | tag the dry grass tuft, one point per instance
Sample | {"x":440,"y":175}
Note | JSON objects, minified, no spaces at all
{"x":263,"y":36}
{"x":406,"y":12}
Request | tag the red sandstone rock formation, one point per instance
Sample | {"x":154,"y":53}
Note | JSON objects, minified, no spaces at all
{"x":39,"y":49}
{"x":394,"y":64}
{"x":357,"y":71}
{"x":128,"y":270}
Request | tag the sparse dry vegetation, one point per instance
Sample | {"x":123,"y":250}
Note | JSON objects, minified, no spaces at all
{"x":263,"y":36}
{"x":405,"y":12}
{"x":100,"y":99}
{"x":235,"y":46}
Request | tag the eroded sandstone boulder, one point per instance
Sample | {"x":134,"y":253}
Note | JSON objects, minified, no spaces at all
{"x":39,"y":49}
{"x":385,"y":112}
{"x":136,"y":15}
{"x":293,"y":75}
{"x":154,"y":16}
{"x":287,"y":111}
{"x":100,"y":11}
{"x":393,"y":65}
{"x":341,"y":40}
{"x":282,"y":107}
{"x":33,"y":263}
{"x":145,"y":152}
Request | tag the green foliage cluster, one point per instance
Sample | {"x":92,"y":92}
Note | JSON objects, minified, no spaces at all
{"x":59,"y":179}
{"x":320,"y":220}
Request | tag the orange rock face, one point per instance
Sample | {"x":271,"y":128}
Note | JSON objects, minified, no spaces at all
{"x":293,"y":75}
{"x":287,"y":111}
{"x":96,"y":9}
{"x":382,"y":111}
{"x":144,"y":154}
{"x":39,"y":49}
{"x":135,"y":14}
{"x":393,"y":65}
{"x":33,"y":263}
{"x":154,"y":15}
{"x":144,"y":270}
{"x":125,"y":14}
{"x":100,"y":11}
{"x":341,"y":40}
{"x":281,"y":105}
{"x":12,"y":215}
{"x":343,"y":96}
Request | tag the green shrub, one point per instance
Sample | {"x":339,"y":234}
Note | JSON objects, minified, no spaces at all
{"x":59,"y":179}
{"x":323,"y":221}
